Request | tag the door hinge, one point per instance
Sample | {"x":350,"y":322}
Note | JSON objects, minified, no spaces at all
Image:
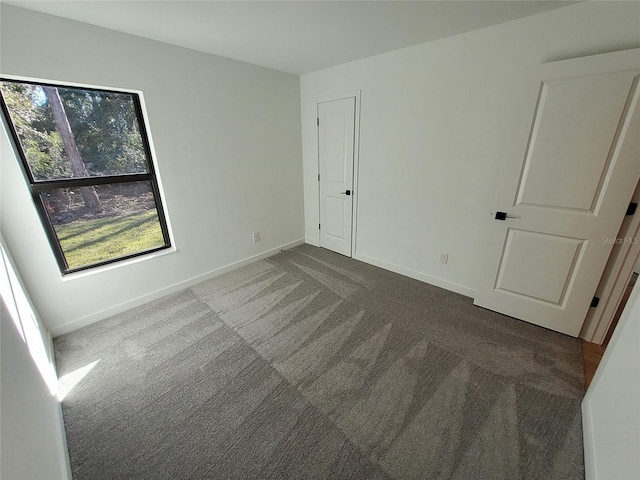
{"x":631,"y":209}
{"x":318,"y":121}
{"x":318,"y":226}
{"x":318,"y":177}
{"x":595,"y":302}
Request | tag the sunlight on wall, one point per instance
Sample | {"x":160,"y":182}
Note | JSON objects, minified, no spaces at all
{"x":7,"y":295}
{"x":24,"y":318}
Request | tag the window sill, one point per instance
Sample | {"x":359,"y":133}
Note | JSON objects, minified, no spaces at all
{"x":113,"y":266}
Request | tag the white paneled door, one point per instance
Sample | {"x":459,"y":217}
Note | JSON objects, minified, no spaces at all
{"x":559,"y":208}
{"x":336,"y":141}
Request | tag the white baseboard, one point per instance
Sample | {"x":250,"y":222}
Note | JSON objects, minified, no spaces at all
{"x":312,"y":241}
{"x":438,"y":282}
{"x":108,"y":312}
{"x":587,"y":436}
{"x":62,"y":446}
{"x":63,"y":449}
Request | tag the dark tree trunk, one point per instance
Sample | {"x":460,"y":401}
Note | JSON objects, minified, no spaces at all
{"x":78,"y":168}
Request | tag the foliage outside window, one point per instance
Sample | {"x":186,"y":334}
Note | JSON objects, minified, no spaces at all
{"x":86,"y":158}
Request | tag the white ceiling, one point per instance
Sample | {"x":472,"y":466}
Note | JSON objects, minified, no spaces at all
{"x":293,"y":36}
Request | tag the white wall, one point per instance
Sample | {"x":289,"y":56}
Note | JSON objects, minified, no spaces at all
{"x":611,"y":407}
{"x":227,"y":139}
{"x":32,"y":442}
{"x":437,"y":122}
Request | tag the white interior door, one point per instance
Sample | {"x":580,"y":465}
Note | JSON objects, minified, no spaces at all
{"x":336,"y":134}
{"x":569,"y":193}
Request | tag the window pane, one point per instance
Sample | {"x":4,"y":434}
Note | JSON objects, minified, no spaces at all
{"x":125,"y":222}
{"x":67,"y":132}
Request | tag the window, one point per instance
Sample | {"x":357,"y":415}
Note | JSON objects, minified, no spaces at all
{"x":86,"y":157}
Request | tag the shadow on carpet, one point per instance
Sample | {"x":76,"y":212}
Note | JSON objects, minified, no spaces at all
{"x":310,"y":365}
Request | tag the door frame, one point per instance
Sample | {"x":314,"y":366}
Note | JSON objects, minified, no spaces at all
{"x":356,"y":156}
{"x":614,"y":281}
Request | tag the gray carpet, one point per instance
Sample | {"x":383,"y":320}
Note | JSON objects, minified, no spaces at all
{"x":310,"y":365}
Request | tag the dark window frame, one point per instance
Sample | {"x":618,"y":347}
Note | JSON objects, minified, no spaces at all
{"x":36,"y":187}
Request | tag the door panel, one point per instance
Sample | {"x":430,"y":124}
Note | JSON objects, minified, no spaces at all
{"x":334,"y":218}
{"x":336,"y":133}
{"x":538,"y":265}
{"x":576,"y":121}
{"x":336,"y":141}
{"x":569,"y":193}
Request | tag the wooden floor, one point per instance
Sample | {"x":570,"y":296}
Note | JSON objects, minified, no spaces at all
{"x":591,"y":356}
{"x":592,"y":352}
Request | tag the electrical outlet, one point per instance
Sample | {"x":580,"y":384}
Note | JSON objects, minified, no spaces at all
{"x":444,"y":257}
{"x":256,"y":236}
